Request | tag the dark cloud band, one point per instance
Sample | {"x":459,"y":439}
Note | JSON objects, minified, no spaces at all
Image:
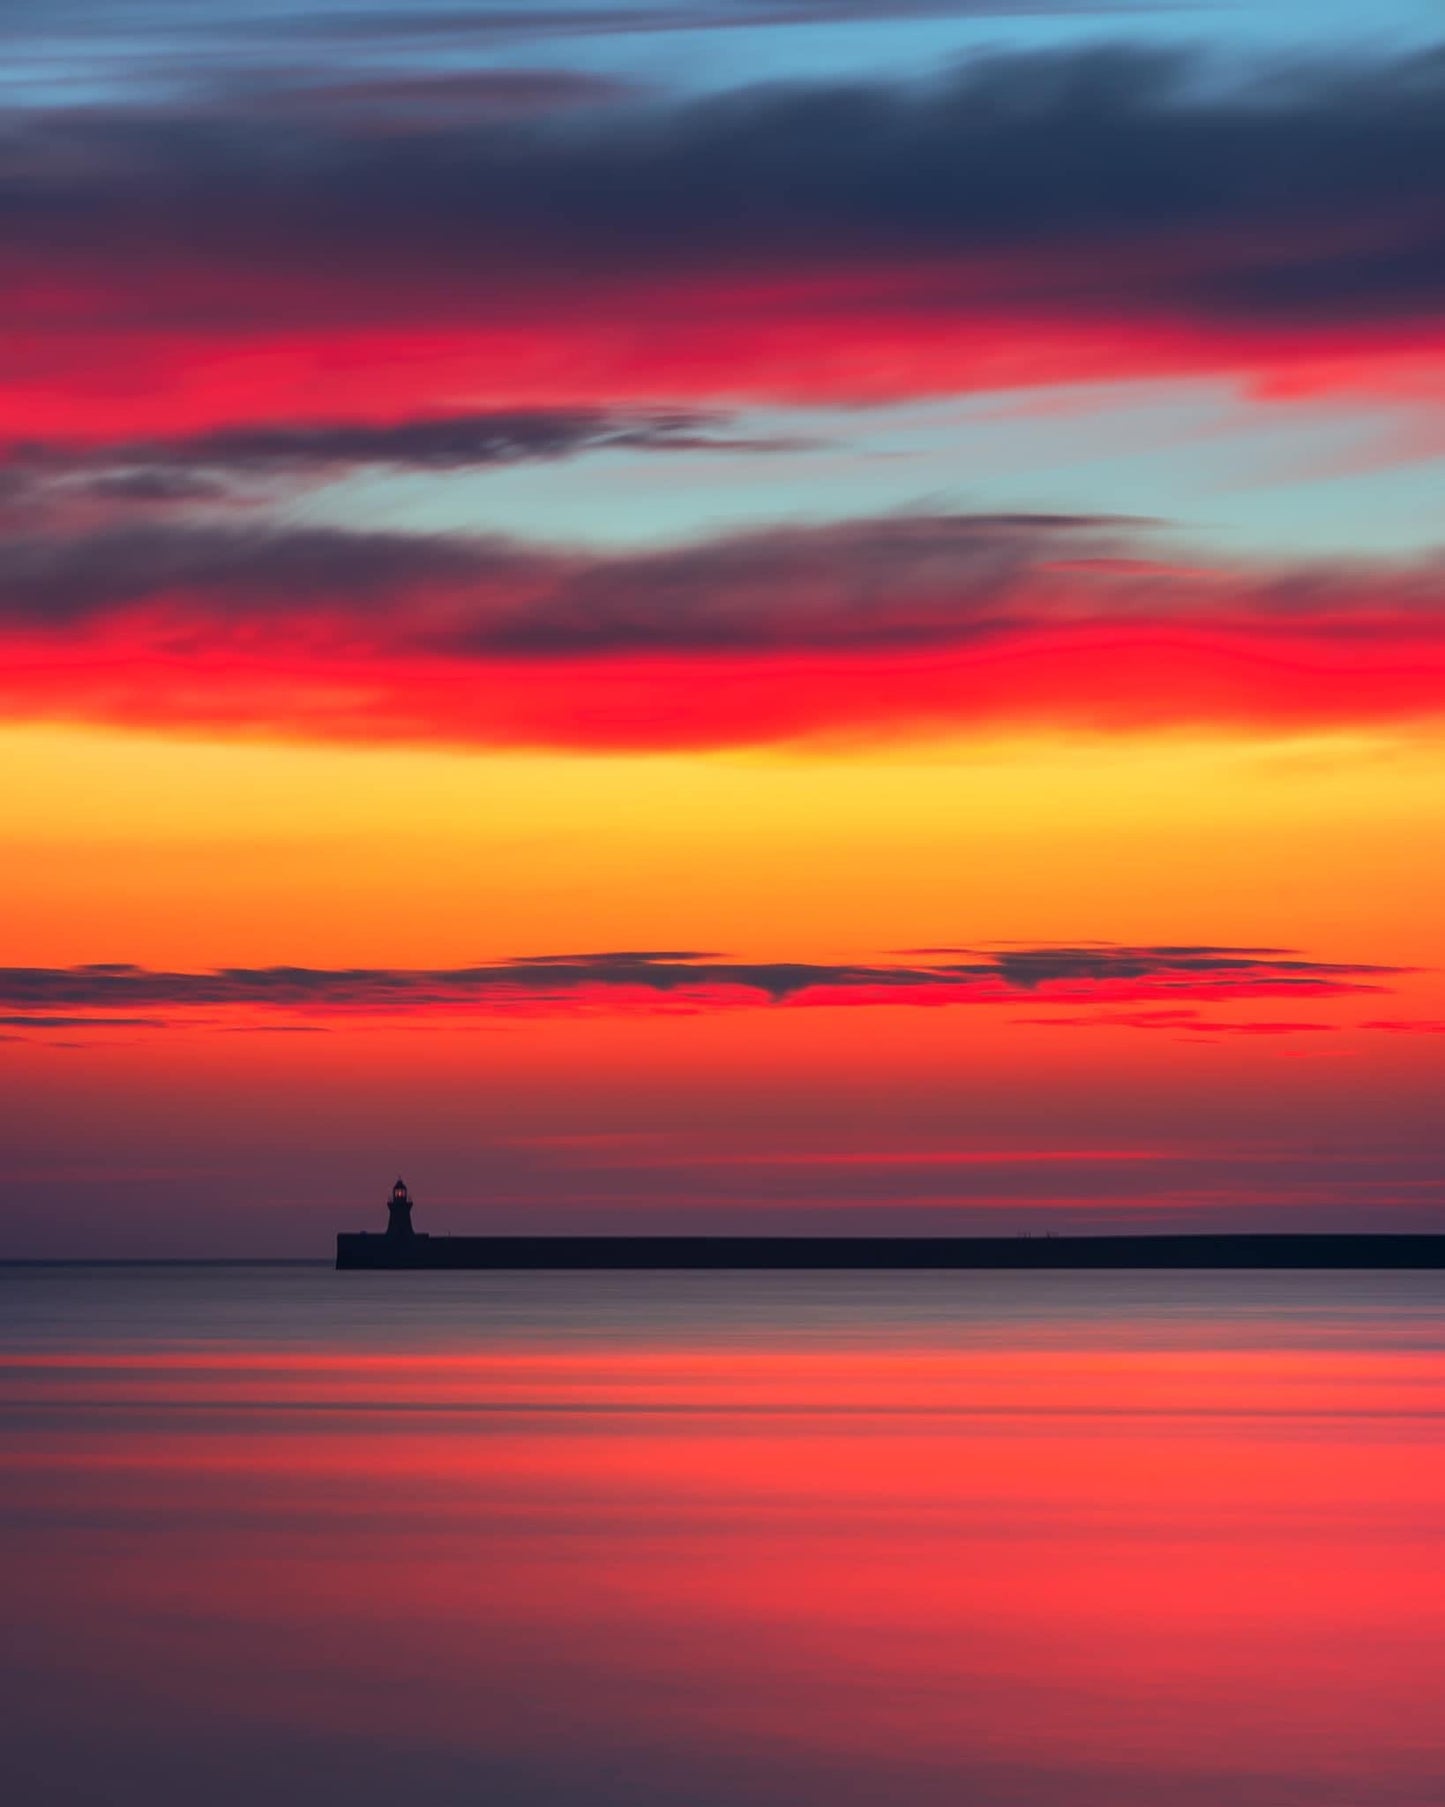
{"x":869,"y":585}
{"x":183,"y":469}
{"x":1101,"y":182}
{"x":1084,"y":973}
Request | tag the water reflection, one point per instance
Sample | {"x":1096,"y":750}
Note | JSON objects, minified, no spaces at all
{"x":1016,"y":1540}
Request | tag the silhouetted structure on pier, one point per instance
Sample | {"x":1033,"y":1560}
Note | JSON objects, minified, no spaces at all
{"x":401,"y":1246}
{"x":398,"y":1214}
{"x":398,"y":1246}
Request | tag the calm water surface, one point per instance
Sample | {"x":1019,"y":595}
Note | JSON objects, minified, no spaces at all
{"x":285,"y":1535}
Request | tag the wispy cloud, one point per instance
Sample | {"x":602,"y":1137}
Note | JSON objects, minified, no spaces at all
{"x":487,"y":22}
{"x":1180,"y":1022}
{"x":197,"y":466}
{"x":643,"y":979}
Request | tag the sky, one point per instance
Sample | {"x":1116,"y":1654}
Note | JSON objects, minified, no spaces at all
{"x":719,"y":614}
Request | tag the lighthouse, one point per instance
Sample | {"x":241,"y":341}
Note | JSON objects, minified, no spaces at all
{"x":398,"y":1208}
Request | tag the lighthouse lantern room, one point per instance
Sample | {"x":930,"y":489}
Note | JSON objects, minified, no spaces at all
{"x":398,"y":1207}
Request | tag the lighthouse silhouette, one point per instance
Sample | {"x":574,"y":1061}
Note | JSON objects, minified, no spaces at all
{"x":398,"y":1209}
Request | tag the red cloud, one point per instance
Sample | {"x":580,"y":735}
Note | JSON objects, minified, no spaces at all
{"x":1179,"y":1022}
{"x":1030,"y":220}
{"x":848,"y":340}
{"x":873,"y":627}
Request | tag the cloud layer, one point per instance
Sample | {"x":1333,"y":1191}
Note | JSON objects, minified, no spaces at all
{"x":646,"y":979}
{"x":895,"y":625}
{"x":1102,"y":212}
{"x":210,"y":302}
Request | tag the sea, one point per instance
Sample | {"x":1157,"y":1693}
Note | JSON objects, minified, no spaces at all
{"x":276,"y":1534}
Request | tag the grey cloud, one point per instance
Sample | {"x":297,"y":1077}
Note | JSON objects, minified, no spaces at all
{"x":32,"y":1020}
{"x":1062,"y":971}
{"x":1132,"y":181}
{"x":193,"y":468}
{"x":905,"y":581}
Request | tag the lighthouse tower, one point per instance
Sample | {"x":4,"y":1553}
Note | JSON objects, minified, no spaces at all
{"x":398,"y":1208}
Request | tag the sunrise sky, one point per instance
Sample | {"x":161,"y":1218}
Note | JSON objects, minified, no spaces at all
{"x":719,"y":614}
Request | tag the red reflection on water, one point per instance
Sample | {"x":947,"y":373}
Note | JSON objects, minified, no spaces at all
{"x":1037,"y":1576}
